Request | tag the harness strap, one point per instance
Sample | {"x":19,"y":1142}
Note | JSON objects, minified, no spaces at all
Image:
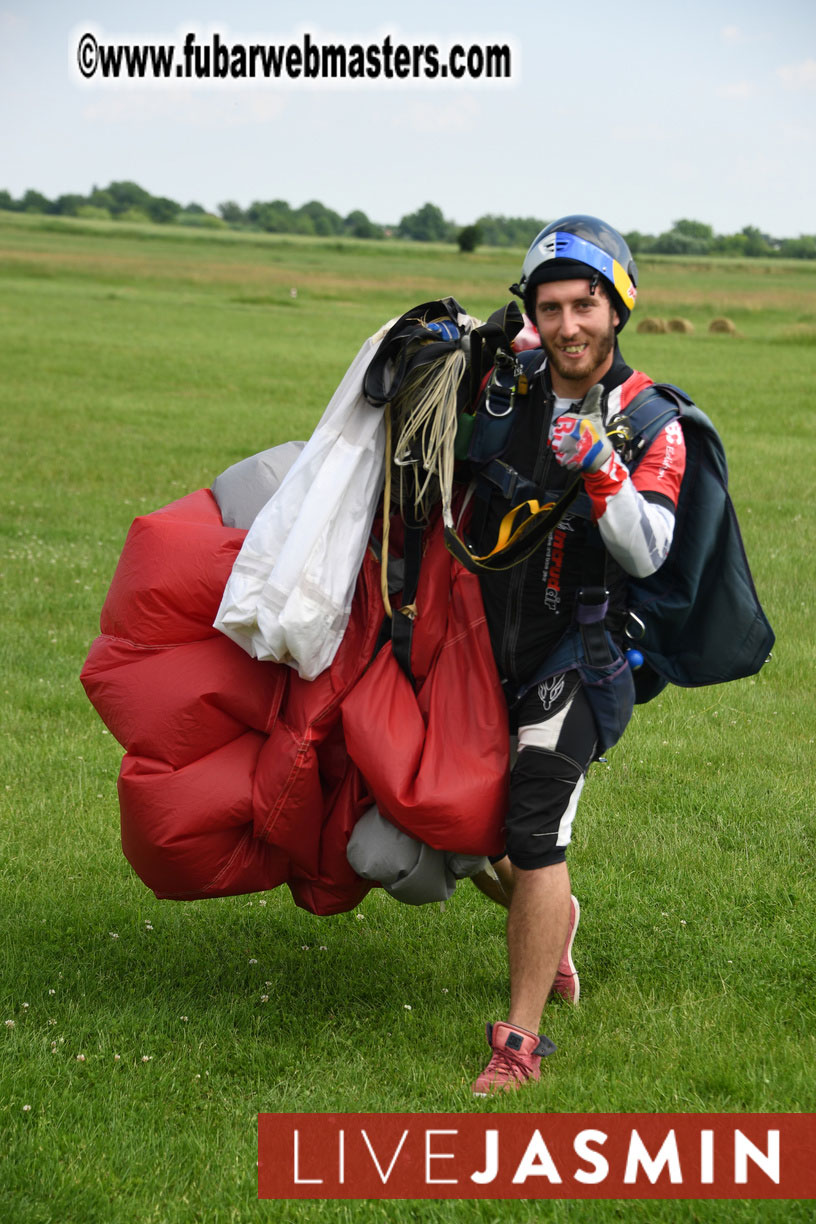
{"x":515,"y":544}
{"x":642,"y":419}
{"x":508,"y":481}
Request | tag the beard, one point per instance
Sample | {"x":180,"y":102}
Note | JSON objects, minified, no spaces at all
{"x":596,"y":355}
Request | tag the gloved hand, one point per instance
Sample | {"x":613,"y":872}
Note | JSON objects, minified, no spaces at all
{"x":580,"y":442}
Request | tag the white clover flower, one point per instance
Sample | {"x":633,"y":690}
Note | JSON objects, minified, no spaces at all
{"x":262,"y":902}
{"x":147,"y":1057}
{"x":117,"y":1057}
{"x":113,"y":934}
{"x":264,"y":998}
{"x":26,"y":1108}
{"x":407,"y":1007}
{"x":185,"y":1019}
{"x":9,"y":1024}
{"x":80,"y":1057}
{"x":253,"y":960}
{"x":52,"y":992}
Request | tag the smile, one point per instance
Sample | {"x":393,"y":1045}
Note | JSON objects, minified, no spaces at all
{"x":574,"y":349}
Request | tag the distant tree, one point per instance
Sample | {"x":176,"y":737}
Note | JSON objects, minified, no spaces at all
{"x":427,"y":224}
{"x":35,"y":202}
{"x":275,"y":216}
{"x":302,"y":223}
{"x":122,"y":196}
{"x":729,"y":244}
{"x":255,"y":212}
{"x":161,"y":209}
{"x":675,"y":243}
{"x":102,"y":199}
{"x":68,"y":205}
{"x":325,"y":221}
{"x":693,"y":229}
{"x":469,"y":238}
{"x":803,"y":247}
{"x":757,"y":243}
{"x":357,"y":225}
{"x":509,"y":231}
{"x":8,"y":203}
{"x":232,"y":212}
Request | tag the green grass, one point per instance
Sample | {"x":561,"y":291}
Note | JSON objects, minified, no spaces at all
{"x":136,"y":366}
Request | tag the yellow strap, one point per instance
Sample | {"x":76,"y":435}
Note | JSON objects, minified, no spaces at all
{"x":507,"y":534}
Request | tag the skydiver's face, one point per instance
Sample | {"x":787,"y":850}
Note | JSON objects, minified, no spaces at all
{"x":577,"y":330}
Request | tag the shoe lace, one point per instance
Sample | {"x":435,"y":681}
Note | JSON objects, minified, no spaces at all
{"x":505,"y":1065}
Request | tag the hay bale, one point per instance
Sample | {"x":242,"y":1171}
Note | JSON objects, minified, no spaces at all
{"x":685,"y":326}
{"x":651,"y":326}
{"x":723,"y":327}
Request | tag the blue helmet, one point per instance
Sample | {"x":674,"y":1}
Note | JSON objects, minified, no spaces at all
{"x":576,"y":247}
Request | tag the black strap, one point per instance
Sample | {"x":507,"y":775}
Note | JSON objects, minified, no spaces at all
{"x":407,"y":343}
{"x":648,"y":413}
{"x":485,"y":340}
{"x":402,"y":621}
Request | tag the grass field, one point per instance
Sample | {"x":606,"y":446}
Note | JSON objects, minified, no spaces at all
{"x":135,"y":365}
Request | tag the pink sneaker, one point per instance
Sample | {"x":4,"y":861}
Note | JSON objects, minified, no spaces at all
{"x":516,"y":1058}
{"x":566,"y":982}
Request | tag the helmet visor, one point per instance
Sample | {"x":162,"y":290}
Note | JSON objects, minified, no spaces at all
{"x":561,"y":245}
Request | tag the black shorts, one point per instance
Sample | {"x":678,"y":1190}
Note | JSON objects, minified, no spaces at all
{"x":557,"y":738}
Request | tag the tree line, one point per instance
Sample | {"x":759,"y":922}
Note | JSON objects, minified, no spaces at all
{"x":128,"y":201}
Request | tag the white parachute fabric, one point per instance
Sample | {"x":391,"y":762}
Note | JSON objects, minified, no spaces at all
{"x":288,"y":598}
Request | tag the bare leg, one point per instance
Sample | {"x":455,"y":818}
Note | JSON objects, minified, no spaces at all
{"x":537,"y":925}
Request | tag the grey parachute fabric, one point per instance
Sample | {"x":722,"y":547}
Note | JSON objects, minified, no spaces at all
{"x":408,"y":869}
{"x":243,"y":489}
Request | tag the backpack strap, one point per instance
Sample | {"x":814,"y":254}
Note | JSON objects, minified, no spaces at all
{"x":645,"y":416}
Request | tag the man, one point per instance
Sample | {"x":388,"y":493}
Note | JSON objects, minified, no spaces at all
{"x":578,"y":284}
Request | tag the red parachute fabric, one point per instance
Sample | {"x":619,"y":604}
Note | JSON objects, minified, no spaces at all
{"x":237,"y":775}
{"x":439,"y":758}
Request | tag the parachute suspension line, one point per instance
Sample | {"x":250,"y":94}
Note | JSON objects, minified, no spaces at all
{"x":427,"y":418}
{"x":386,"y":531}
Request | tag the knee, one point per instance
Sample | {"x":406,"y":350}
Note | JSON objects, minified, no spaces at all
{"x":544,"y":791}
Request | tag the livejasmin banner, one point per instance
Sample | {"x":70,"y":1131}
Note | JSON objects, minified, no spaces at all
{"x":535,"y":1156}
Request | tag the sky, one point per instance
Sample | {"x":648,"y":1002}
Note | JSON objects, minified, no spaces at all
{"x":641,"y":112}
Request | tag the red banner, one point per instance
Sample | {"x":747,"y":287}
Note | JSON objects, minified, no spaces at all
{"x":535,"y":1156}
